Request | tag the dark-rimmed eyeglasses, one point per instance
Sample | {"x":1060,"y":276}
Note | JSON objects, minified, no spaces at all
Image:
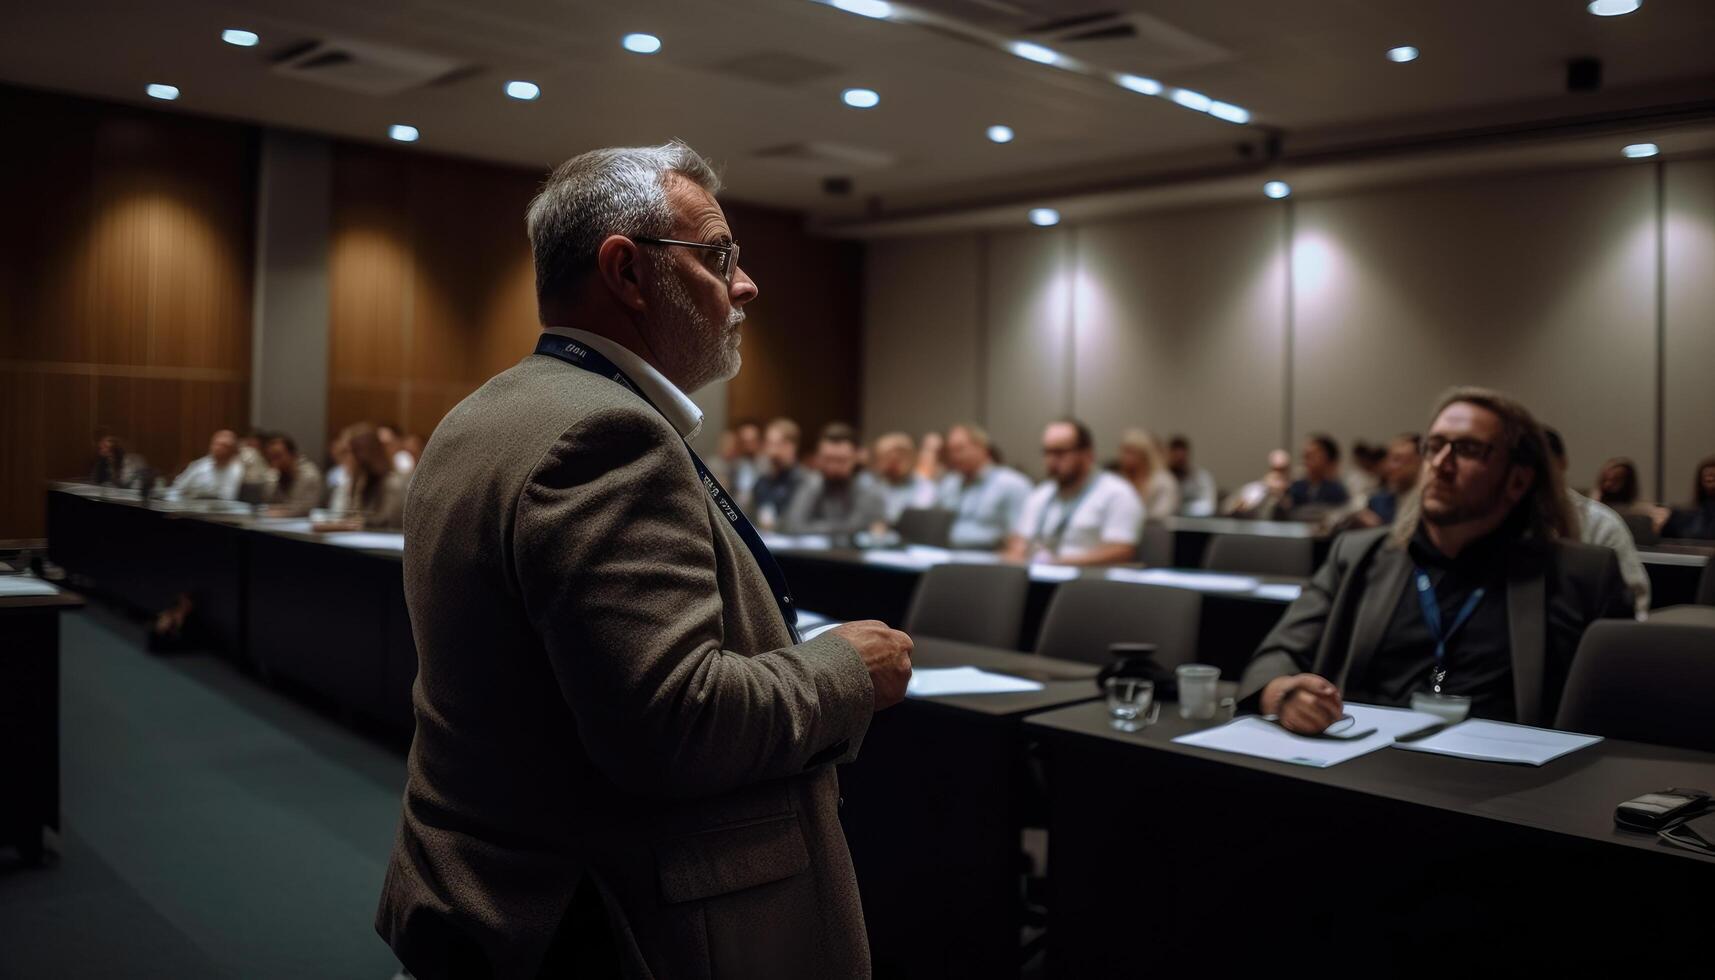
{"x":1475,"y":450}
{"x":726,"y":265}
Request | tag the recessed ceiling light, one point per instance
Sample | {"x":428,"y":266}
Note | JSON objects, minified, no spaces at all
{"x":1044,"y":217}
{"x":1638,"y":151}
{"x":1035,"y":52}
{"x":860,"y":98}
{"x":242,"y":38}
{"x":523,"y":91}
{"x":1000,"y":134}
{"x":1277,"y":189}
{"x":1137,"y":83}
{"x":166,"y":93}
{"x":878,"y":9}
{"x":1192,"y":100}
{"x":1402,"y":54}
{"x":403,"y":133}
{"x":1231,"y":113}
{"x":1613,"y":8}
{"x":641,"y":43}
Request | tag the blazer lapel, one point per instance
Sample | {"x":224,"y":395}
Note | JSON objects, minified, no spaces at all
{"x":1527,"y":628}
{"x":1389,"y":573}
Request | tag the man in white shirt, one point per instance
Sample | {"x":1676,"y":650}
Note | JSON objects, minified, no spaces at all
{"x":216,"y":476}
{"x":986,"y":497}
{"x":1599,"y":524}
{"x":1079,"y":515}
{"x":896,"y":476}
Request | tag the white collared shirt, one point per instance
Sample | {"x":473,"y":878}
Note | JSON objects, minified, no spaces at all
{"x":675,"y":406}
{"x":204,"y":479}
{"x":1106,"y":511}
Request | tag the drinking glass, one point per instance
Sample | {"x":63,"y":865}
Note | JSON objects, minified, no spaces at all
{"x":1197,"y":688}
{"x":1129,"y":699}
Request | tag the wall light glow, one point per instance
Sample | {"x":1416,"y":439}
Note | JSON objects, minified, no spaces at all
{"x":523,"y":91}
{"x":640,"y":43}
{"x":1139,"y":84}
{"x":241,"y":38}
{"x":403,"y":133}
{"x":1231,"y":113}
{"x":1044,"y":217}
{"x":1192,"y":100}
{"x":1640,"y":151}
{"x":1277,"y":189}
{"x":166,"y":93}
{"x":1402,"y":54}
{"x":1000,"y":134}
{"x":1613,"y":8}
{"x":1034,"y":52}
{"x":861,"y":98}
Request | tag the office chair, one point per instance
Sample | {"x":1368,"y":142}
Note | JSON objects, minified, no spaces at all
{"x":923,"y":525}
{"x":1255,"y":554}
{"x":1086,"y":616}
{"x":970,"y":603}
{"x":1646,"y":682}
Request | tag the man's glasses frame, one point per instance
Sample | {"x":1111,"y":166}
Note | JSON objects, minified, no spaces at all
{"x":1475,"y":450}
{"x":728,"y":251}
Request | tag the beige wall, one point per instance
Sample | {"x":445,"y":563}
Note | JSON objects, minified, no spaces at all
{"x":1544,"y":285}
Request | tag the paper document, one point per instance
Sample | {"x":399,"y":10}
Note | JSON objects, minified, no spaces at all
{"x":25,"y":585}
{"x":1044,"y":572}
{"x":1288,"y":593}
{"x":373,"y":540}
{"x":1201,"y":581}
{"x":797,"y":542}
{"x":1498,"y":741}
{"x":929,"y":682}
{"x":1266,"y":740}
{"x":895,"y":558}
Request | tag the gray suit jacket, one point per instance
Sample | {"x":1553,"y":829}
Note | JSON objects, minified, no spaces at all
{"x":1333,"y":629}
{"x":607,"y":696}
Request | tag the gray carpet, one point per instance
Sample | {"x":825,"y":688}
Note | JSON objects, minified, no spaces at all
{"x":212,"y":828}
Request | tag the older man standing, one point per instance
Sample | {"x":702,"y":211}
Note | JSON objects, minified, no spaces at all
{"x":623,"y":761}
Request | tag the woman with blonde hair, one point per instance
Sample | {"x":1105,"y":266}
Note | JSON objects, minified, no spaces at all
{"x":1143,"y":463}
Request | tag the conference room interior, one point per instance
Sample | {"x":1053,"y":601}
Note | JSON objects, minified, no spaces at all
{"x":1208,"y":269}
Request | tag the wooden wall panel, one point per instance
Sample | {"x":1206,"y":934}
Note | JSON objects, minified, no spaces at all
{"x":433,"y":293}
{"x":125,"y":287}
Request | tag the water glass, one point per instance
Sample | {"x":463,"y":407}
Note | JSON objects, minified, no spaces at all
{"x":1197,"y":688}
{"x":1129,"y":699}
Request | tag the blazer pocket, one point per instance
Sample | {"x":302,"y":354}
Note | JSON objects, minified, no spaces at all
{"x":728,"y":859}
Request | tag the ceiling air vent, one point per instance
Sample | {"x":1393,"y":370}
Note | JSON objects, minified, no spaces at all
{"x":359,"y":66}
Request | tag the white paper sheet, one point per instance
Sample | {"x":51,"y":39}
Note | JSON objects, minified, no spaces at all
{"x":374,"y":540}
{"x":1044,"y":572}
{"x":1265,"y":740}
{"x":1498,"y":741}
{"x":796,"y":542}
{"x":1287,"y":593}
{"x":1201,"y":581}
{"x":895,"y":558}
{"x":929,"y":682}
{"x":25,"y":585}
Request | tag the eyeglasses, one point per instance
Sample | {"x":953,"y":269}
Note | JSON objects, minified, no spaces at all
{"x":1475,"y":450}
{"x":725,"y":266}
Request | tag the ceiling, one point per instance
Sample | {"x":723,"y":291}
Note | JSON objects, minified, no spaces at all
{"x":755,"y":84}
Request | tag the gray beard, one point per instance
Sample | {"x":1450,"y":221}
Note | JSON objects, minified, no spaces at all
{"x":702,"y":353}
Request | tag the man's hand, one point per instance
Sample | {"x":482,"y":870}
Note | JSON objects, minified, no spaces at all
{"x":886,"y":654}
{"x":1306,"y":703}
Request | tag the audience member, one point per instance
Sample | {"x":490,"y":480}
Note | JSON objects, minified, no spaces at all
{"x":293,"y":486}
{"x":217,"y":476}
{"x":398,"y":456}
{"x":1477,"y":591}
{"x":1080,"y":515}
{"x":339,"y":464}
{"x":832,"y":499}
{"x":986,"y":497}
{"x":901,"y":485}
{"x":932,"y":457}
{"x":1599,"y":525}
{"x":1197,"y":493}
{"x":1365,"y":476}
{"x":776,"y":485}
{"x":1399,"y":471}
{"x":1320,"y":484}
{"x":741,"y":459}
{"x":113,"y":466}
{"x":250,"y":454}
{"x":1698,"y":519}
{"x":1262,"y":498}
{"x":1617,"y":486}
{"x":1144,"y":466}
{"x":372,"y":495}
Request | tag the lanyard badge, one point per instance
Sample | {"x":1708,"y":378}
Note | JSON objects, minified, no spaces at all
{"x":1432,"y":618}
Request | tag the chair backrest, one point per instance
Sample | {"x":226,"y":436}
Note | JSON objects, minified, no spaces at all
{"x":1256,"y":554}
{"x":923,"y":525}
{"x":1156,"y":546}
{"x":1086,"y":616}
{"x":1646,"y":682}
{"x":1706,"y":585}
{"x":1642,"y":528}
{"x":971,"y":603}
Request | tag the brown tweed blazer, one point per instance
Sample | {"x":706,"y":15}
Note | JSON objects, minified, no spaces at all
{"x":607,"y":697}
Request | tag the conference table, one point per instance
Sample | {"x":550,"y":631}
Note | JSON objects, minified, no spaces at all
{"x":30,"y":709}
{"x":1168,"y":856}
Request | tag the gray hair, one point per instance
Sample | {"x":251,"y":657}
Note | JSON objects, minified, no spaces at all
{"x":619,"y":190}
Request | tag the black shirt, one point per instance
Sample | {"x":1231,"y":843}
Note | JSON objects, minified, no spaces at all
{"x":1479,"y":656}
{"x":1695,"y":522}
{"x":775,"y":490}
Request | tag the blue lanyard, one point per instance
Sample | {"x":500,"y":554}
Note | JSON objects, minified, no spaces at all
{"x":581,"y":356}
{"x":1432,"y":618}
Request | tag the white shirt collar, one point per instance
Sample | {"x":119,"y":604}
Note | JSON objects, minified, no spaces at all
{"x":677,"y":407}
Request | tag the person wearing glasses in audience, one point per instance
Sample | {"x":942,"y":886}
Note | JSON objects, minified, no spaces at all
{"x":624,"y":755}
{"x":1599,"y":525}
{"x":985,"y":496}
{"x":1080,"y":515}
{"x":1480,"y":590}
